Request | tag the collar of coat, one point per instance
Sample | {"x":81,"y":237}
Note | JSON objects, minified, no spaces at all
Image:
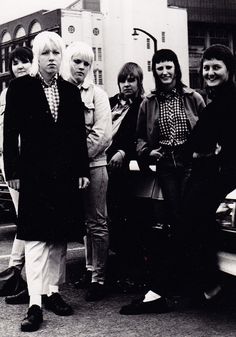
{"x":186,"y":91}
{"x":48,"y":84}
{"x":86,"y":84}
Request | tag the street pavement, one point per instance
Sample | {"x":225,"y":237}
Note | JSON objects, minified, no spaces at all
{"x":102,"y":319}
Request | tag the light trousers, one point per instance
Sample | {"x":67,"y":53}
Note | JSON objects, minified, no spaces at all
{"x":17,"y":258}
{"x":45,"y":266}
{"x":97,"y":237}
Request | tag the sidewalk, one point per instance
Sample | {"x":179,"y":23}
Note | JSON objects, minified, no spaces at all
{"x":102,"y":319}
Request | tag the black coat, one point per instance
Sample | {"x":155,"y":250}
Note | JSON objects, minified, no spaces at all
{"x":52,"y":157}
{"x":125,"y":138}
{"x":216,"y":125}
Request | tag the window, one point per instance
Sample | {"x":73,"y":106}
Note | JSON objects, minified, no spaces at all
{"x":99,"y":54}
{"x":220,"y":36}
{"x":35,"y":27}
{"x":148,"y":43}
{"x":6,"y":37}
{"x":95,"y":77}
{"x":100,"y":79}
{"x":20,"y":32}
{"x":4,"y":59}
{"x":95,"y":53}
{"x":3,"y":65}
{"x":163,"y":37}
{"x":197,"y":38}
{"x":149,"y":66}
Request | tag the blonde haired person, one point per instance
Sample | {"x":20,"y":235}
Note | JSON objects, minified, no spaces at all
{"x":47,"y":113}
{"x":79,"y":70}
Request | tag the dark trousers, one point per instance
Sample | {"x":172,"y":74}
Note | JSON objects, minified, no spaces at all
{"x":124,"y":226}
{"x":205,"y":190}
{"x":166,"y":260}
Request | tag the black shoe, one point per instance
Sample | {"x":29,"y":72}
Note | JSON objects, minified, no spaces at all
{"x":95,"y":292}
{"x":33,"y":319}
{"x":21,"y":298}
{"x":212,"y":303}
{"x":138,"y":307}
{"x":11,"y":281}
{"x":84,"y":280}
{"x":56,"y":304}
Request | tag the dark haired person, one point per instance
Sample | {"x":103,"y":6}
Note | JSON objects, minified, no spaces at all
{"x":213,"y":172}
{"x":125,"y":106}
{"x":165,"y":121}
{"x":20,"y":61}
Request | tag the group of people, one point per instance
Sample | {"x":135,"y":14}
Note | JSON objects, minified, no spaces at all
{"x":66,"y":154}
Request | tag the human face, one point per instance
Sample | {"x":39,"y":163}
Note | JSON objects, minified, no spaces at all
{"x":79,"y":69}
{"x":214,"y":72}
{"x":129,"y":86}
{"x":20,"y":68}
{"x":166,"y":73}
{"x":49,"y":61}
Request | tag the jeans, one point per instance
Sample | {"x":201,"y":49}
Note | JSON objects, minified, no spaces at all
{"x":97,"y":237}
{"x":173,"y":171}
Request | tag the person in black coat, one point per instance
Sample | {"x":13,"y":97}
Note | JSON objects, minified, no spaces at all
{"x":20,"y":61}
{"x":125,"y":107}
{"x":213,"y":174}
{"x":47,"y":114}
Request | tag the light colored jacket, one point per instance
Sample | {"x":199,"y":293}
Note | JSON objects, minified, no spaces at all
{"x":149,"y":112}
{"x":98,"y":122}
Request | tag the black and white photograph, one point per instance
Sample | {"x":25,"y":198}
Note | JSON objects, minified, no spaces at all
{"x":118,"y":168}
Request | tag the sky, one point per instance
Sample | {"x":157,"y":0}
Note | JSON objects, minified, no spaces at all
{"x":13,"y":9}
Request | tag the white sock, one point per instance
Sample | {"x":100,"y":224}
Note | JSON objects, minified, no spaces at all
{"x":52,"y":290}
{"x":35,"y":300}
{"x":212,"y":293}
{"x":151,"y":296}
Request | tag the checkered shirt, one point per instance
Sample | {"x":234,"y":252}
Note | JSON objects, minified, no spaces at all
{"x":52,"y":94}
{"x":173,"y":122}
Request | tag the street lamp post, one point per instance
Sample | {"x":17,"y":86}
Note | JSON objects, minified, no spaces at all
{"x":148,"y":34}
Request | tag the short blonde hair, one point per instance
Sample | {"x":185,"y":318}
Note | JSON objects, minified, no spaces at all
{"x":41,"y":40}
{"x":81,"y":50}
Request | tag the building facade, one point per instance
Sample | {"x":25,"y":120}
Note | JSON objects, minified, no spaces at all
{"x":77,"y":22}
{"x":153,"y":17}
{"x":209,"y":22}
{"x":108,"y":26}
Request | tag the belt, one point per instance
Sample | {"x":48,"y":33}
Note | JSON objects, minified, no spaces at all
{"x":172,"y":149}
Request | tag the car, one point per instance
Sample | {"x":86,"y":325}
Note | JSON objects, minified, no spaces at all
{"x":7,"y":210}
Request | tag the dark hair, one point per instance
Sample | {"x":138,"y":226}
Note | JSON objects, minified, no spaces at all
{"x":23,"y":54}
{"x":222,"y":53}
{"x":163,"y":55}
{"x":131,"y":69}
